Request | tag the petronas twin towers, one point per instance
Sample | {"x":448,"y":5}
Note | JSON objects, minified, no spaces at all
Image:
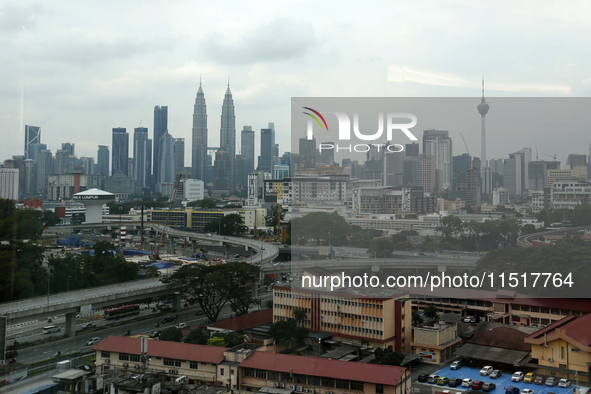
{"x":227,"y":135}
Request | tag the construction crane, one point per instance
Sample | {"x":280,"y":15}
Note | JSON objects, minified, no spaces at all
{"x":554,"y":157}
{"x":172,"y":200}
{"x":473,"y":176}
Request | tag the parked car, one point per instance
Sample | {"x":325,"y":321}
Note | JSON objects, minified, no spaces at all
{"x":93,"y":341}
{"x":527,"y":391}
{"x":497,"y":373}
{"x":455,"y":365}
{"x":551,"y":381}
{"x":475,"y":319}
{"x":87,"y":325}
{"x":517,"y":377}
{"x":529,"y":377}
{"x":199,"y":313}
{"x":442,"y":380}
{"x":467,"y":382}
{"x":454,"y":382}
{"x":423,"y":377}
{"x":432,"y":378}
{"x":180,"y":326}
{"x":488,"y":386}
{"x":167,"y":320}
{"x":486,"y":370}
{"x":512,"y":390}
{"x":539,"y":380}
{"x":564,"y":383}
{"x":155,"y":334}
{"x":467,"y":319}
{"x":477,"y":385}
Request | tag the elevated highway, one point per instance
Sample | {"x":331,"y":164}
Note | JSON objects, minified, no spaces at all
{"x":526,"y":240}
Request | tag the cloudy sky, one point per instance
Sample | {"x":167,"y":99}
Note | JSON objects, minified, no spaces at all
{"x":78,"y":69}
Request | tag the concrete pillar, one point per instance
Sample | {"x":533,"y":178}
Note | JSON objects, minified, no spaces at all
{"x":71,"y":324}
{"x":227,"y":250}
{"x":176,"y":302}
{"x":255,"y":288}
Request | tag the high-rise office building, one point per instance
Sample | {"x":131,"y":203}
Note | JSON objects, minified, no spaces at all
{"x":179,"y":155}
{"x":167,"y":174}
{"x":228,"y":132}
{"x":88,"y":164}
{"x":61,"y":163}
{"x":34,"y":150}
{"x":102,"y":160}
{"x":9,"y":183}
{"x":426,"y":176}
{"x":410,"y":170}
{"x":393,"y":169}
{"x":120,"y":152}
{"x":247,"y":150}
{"x":266,"y":163}
{"x":30,"y":177}
{"x":69,"y":147}
{"x":272,"y":127}
{"x":462,"y":162}
{"x":513,"y":174}
{"x":199,"y":137}
{"x":438,"y":144}
{"x":32,"y":136}
{"x":142,"y":156}
{"x":307,"y":153}
{"x":577,"y":160}
{"x":44,"y":170}
{"x":412,"y":150}
{"x":222,"y":181}
{"x":160,"y":128}
{"x":327,"y":155}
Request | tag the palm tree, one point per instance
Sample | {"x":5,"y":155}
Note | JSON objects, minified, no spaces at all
{"x":431,"y":312}
{"x":300,"y":316}
{"x":417,"y":319}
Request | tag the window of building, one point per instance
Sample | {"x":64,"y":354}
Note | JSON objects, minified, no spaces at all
{"x":134,"y":357}
{"x":314,"y":380}
{"x":285,"y":377}
{"x":106,"y":354}
{"x":535,"y":309}
{"x":356,"y":386}
{"x":562,"y":352}
{"x":193,"y":364}
{"x":222,"y":371}
{"x":249,"y":372}
{"x":300,"y":379}
{"x":327,"y":382}
{"x":169,"y":362}
{"x":123,"y":356}
{"x":379,"y":389}
{"x":545,"y":310}
{"x":342,"y":384}
{"x":260,"y":373}
{"x":272,"y":375}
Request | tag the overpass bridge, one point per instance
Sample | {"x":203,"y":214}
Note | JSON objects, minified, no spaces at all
{"x":398,"y":263}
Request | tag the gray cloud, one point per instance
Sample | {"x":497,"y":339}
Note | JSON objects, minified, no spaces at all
{"x":282,"y":39}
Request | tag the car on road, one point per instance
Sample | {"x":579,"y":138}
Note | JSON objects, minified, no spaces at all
{"x":50,"y":329}
{"x":167,"y":320}
{"x":199,"y":313}
{"x":155,"y":334}
{"x":455,"y":365}
{"x":432,"y":378}
{"x":180,"y":326}
{"x":488,"y":386}
{"x":477,"y":385}
{"x":564,"y":383}
{"x":467,"y":382}
{"x":527,"y":391}
{"x":517,"y":376}
{"x":486,"y":370}
{"x":423,"y":377}
{"x":529,"y":377}
{"x":93,"y":341}
{"x":442,"y":380}
{"x":512,"y":390}
{"x":87,"y":325}
{"x":551,"y":381}
{"x":454,"y":382}
{"x":539,"y":380}
{"x":497,"y":373}
{"x":166,"y":308}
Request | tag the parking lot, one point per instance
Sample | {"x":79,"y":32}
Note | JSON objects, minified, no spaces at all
{"x":503,"y":382}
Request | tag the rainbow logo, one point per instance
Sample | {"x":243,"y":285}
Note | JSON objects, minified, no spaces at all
{"x":315,"y":118}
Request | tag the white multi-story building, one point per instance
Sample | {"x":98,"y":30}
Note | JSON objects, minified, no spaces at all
{"x":569,"y":193}
{"x":438,"y":144}
{"x":193,"y":189}
{"x":500,"y":196}
{"x":256,"y":186}
{"x":9,"y":183}
{"x":424,"y":223}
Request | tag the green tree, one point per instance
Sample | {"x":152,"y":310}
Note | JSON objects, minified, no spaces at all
{"x":238,"y":276}
{"x":417,"y":319}
{"x":231,"y":225}
{"x":431,"y":312}
{"x":216,"y":341}
{"x":321,"y":228}
{"x":284,"y":330}
{"x":172,"y":334}
{"x":197,"y":337}
{"x":206,"y":203}
{"x":300,"y":316}
{"x":387,"y":356}
{"x":152,"y":272}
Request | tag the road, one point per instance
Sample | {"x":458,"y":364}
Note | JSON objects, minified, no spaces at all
{"x":69,"y":345}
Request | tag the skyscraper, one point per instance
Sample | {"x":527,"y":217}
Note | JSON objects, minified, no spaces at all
{"x":142,"y":156}
{"x":393,"y":169}
{"x":228,"y":132}
{"x":307,"y":153}
{"x":88,"y":164}
{"x":160,"y":128}
{"x":166,"y":167}
{"x":69,"y":147}
{"x":120,"y":151}
{"x":61,"y":162}
{"x":247,"y":148}
{"x":222,"y":172}
{"x":32,"y":136}
{"x":438,"y":144}
{"x":426,"y":173}
{"x":199,"y":137}
{"x":179,"y":155}
{"x":102,"y":160}
{"x":44,"y":170}
{"x":266,"y":163}
{"x":29,"y":177}
{"x":34,"y":150}
{"x":327,"y":155}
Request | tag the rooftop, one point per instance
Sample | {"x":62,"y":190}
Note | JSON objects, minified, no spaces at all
{"x":362,"y":372}
{"x":571,"y":327}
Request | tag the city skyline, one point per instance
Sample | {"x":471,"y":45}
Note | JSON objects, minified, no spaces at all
{"x":80,"y":89}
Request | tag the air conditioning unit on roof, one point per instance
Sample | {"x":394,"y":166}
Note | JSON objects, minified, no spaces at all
{"x":276,"y":384}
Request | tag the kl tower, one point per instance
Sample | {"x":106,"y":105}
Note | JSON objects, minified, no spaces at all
{"x":485,"y":171}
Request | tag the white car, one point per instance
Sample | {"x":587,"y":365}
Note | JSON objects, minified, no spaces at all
{"x":486,"y":370}
{"x":455,"y":365}
{"x":527,"y":391}
{"x":93,"y":341}
{"x":181,"y":325}
{"x":517,"y":377}
{"x":88,"y":325}
{"x":467,"y":382}
{"x":467,"y":319}
{"x":564,"y":383}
